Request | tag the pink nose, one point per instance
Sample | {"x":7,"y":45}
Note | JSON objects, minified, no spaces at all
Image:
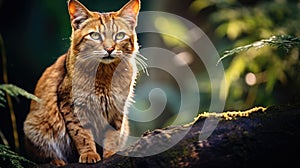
{"x":109,"y":49}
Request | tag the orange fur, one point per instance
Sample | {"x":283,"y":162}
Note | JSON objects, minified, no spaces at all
{"x":86,"y":92}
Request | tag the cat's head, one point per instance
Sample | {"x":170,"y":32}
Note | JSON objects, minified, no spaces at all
{"x":108,"y":36}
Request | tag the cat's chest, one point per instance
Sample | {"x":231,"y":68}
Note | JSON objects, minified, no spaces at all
{"x":106,"y":87}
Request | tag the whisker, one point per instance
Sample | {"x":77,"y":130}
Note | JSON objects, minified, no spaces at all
{"x":141,"y":56}
{"x":99,"y":52}
{"x":142,"y":64}
{"x":87,"y":55}
{"x":141,"y":59}
{"x":143,"y":69}
{"x":125,"y":60}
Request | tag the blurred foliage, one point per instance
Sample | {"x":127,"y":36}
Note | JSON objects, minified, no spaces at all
{"x":163,"y":24}
{"x":237,"y":23}
{"x":10,"y":159}
{"x":258,"y":74}
{"x":285,"y":42}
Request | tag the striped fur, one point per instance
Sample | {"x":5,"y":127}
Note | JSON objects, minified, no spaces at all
{"x":86,"y":93}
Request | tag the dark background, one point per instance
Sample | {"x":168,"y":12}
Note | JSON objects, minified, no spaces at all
{"x":36,"y":32}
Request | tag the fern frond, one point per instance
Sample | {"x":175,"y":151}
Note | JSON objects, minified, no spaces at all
{"x":15,"y":91}
{"x":285,"y":42}
{"x":2,"y":99}
{"x":12,"y":159}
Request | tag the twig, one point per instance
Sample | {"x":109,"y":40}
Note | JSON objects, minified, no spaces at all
{"x":8,"y":98}
{"x":285,"y":42}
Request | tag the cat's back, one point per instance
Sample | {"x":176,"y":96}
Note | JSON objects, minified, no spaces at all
{"x":46,"y":90}
{"x":51,"y":78}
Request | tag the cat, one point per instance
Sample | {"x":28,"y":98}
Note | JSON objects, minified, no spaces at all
{"x":86,"y":93}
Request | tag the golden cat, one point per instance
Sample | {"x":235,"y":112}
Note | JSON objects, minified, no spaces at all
{"x":86,"y":92}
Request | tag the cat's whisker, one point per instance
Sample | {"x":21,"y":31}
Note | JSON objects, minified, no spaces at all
{"x":142,"y":64}
{"x":141,"y":56}
{"x":126,"y":61}
{"x":99,"y":52}
{"x":88,"y":55}
{"x":141,"y":61}
{"x":143,"y":69}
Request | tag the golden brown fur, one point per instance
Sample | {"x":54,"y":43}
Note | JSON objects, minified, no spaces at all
{"x":86,"y":92}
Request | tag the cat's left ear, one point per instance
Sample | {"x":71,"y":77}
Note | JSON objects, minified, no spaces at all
{"x":130,"y":12}
{"x":78,"y":13}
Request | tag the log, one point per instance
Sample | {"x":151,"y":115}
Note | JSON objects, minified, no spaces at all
{"x":253,"y":138}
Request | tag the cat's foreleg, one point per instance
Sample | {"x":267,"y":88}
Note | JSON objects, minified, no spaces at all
{"x":82,"y":138}
{"x":115,"y":139}
{"x":84,"y":143}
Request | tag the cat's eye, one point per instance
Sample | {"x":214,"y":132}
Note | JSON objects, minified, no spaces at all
{"x":95,"y":36}
{"x":120,"y":36}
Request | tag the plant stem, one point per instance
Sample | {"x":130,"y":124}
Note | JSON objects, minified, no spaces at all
{"x":8,"y":98}
{"x":4,"y":140}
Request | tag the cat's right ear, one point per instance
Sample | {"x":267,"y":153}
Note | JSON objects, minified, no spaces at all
{"x":78,"y":13}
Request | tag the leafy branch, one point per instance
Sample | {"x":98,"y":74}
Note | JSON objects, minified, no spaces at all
{"x":11,"y":159}
{"x":14,"y":91}
{"x":285,"y":42}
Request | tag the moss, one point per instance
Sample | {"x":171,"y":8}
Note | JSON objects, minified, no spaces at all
{"x":230,"y":115}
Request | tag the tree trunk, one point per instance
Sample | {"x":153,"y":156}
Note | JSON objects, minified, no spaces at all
{"x":257,"y":137}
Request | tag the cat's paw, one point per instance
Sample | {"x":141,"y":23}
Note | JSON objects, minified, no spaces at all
{"x":57,"y":162}
{"x":107,"y":154}
{"x":89,"y":157}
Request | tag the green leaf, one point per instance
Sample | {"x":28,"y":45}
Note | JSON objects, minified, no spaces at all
{"x":2,"y":99}
{"x":15,"y":91}
{"x":12,"y":159}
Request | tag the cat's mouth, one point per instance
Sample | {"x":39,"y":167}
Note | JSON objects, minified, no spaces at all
{"x":108,"y":57}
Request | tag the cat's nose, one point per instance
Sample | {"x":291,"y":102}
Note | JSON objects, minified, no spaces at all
{"x":109,"y":50}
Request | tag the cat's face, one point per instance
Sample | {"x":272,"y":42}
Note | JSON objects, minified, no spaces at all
{"x":107,"y":36}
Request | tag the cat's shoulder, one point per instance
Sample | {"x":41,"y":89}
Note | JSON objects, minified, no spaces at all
{"x":52,"y":76}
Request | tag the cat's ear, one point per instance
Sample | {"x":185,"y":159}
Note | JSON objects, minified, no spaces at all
{"x":78,"y":13}
{"x":130,"y":12}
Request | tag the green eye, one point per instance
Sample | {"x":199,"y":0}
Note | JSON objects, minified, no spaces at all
{"x":95,"y":36}
{"x":120,"y":36}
